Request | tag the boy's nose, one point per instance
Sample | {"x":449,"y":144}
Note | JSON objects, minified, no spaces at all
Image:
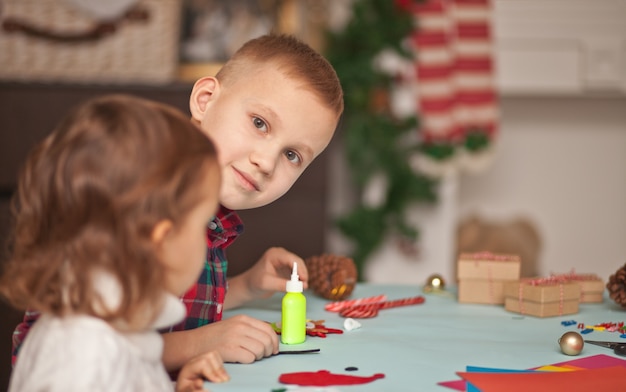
{"x":265,"y":160}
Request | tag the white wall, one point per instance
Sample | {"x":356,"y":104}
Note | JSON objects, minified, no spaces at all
{"x":562,"y":163}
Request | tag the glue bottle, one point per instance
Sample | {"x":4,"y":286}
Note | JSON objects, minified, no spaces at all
{"x":293,"y":324}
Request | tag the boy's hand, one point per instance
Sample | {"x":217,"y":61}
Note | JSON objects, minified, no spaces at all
{"x":242,"y":339}
{"x":208,"y":366}
{"x":267,"y":276}
{"x":271,"y":273}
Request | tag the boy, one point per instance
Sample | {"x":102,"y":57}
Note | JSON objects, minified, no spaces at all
{"x":270,"y":110}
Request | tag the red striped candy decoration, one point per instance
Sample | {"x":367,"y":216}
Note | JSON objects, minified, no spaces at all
{"x":340,"y":305}
{"x":371,"y":310}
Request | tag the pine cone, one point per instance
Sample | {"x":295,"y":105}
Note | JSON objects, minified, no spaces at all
{"x":617,"y":286}
{"x":330,"y":276}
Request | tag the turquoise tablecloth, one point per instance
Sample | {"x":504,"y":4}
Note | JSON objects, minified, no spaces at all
{"x":418,"y":346}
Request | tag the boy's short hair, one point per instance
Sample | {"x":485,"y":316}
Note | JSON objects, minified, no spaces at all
{"x":89,"y":197}
{"x":292,"y":56}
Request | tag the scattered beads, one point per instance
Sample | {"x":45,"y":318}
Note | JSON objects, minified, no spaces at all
{"x":606,"y":327}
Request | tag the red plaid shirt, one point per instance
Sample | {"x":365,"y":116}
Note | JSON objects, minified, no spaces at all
{"x":205,"y":300}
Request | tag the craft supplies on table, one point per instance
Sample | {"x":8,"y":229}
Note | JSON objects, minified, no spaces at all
{"x":371,"y":310}
{"x":481,"y":276}
{"x":370,"y":306}
{"x":293,"y":318}
{"x":419,"y":347}
{"x":617,"y":347}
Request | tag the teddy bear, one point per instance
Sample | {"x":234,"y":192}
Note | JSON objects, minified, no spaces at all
{"x":517,"y":236}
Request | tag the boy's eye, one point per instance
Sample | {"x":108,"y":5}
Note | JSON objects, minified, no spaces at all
{"x":259,"y":124}
{"x":293,"y":157}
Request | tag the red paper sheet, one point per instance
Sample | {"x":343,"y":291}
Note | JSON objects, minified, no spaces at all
{"x":604,"y":379}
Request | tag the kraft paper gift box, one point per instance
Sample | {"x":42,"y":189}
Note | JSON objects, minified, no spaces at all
{"x":591,"y":286}
{"x":542,"y":297}
{"x":481,"y":276}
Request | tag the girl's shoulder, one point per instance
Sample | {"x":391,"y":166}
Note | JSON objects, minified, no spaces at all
{"x":62,"y":353}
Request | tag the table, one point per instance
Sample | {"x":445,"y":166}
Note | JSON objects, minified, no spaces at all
{"x":418,"y":346}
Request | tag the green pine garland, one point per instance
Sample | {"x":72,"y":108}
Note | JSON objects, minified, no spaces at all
{"x":374,"y":139}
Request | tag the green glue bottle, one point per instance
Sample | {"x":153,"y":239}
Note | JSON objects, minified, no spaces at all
{"x":293,"y":324}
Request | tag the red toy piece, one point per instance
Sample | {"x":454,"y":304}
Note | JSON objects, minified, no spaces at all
{"x":324,"y":378}
{"x":320,"y":330}
{"x":317,"y":329}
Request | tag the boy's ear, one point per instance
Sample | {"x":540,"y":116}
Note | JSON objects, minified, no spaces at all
{"x":204,"y":90}
{"x":160,"y":231}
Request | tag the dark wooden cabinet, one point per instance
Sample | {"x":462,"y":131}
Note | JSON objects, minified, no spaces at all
{"x":30,"y":111}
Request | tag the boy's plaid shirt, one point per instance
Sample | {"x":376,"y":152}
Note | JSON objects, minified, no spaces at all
{"x":205,"y":300}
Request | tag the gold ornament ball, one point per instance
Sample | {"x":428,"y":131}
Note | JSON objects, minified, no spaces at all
{"x":571,"y":343}
{"x":435,"y":282}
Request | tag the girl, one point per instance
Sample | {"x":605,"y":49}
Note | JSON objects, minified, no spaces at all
{"x":110,"y":218}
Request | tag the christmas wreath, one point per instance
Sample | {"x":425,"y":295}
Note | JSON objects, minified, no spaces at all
{"x":376,"y":142}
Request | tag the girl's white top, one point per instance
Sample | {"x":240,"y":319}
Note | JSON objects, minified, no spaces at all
{"x":84,"y":353}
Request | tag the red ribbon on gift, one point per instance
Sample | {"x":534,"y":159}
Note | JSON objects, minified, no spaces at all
{"x":576,"y":277}
{"x":488,"y":256}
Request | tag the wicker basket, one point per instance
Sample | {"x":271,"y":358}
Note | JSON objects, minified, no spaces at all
{"x":60,"y":43}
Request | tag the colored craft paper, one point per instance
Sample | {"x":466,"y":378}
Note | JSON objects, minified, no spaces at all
{"x":592,"y":362}
{"x":458,"y":385}
{"x":603,"y":379}
{"x":552,"y":368}
{"x":461,"y":385}
{"x":475,"y":369}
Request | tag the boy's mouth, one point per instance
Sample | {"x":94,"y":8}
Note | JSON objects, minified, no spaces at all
{"x":246,"y":181}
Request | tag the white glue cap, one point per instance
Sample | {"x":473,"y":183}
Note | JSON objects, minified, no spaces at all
{"x":294,"y":285}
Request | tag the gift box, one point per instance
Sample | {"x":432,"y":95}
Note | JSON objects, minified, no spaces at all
{"x":591,"y":286}
{"x":481,"y":276}
{"x":542,"y":297}
{"x":90,"y":42}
